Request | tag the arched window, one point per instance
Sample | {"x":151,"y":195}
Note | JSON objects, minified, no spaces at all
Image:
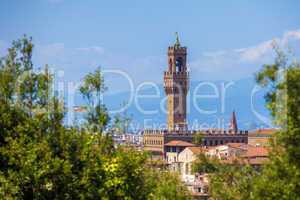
{"x":170,"y":64}
{"x":186,"y":168}
{"x":179,"y":64}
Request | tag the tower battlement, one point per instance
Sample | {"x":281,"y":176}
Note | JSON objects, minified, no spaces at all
{"x":181,"y":50}
{"x":193,"y":132}
{"x":184,"y":73}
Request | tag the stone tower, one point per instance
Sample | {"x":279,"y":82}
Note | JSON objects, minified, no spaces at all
{"x":176,"y":84}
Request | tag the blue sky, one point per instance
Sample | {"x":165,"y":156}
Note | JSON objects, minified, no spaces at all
{"x":226,"y":40}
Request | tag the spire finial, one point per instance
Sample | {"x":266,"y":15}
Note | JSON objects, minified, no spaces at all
{"x":233,"y":122}
{"x":177,"y":44}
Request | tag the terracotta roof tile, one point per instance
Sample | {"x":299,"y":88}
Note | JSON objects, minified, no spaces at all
{"x":265,"y":131}
{"x":179,"y":143}
{"x":197,"y":150}
{"x":234,"y":145}
{"x":256,"y":152}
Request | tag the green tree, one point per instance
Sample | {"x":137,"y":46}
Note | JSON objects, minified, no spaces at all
{"x":121,"y":122}
{"x":198,"y":138}
{"x":92,"y":89}
{"x":204,"y":164}
{"x":232,"y":181}
{"x":168,"y":186}
{"x":280,"y":179}
{"x":40,"y":158}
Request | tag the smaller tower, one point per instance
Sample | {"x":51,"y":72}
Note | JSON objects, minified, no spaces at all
{"x":233,"y":123}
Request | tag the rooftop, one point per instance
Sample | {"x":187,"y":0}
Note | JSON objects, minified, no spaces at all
{"x":179,"y":143}
{"x":256,"y":152}
{"x":265,"y":131}
{"x":197,"y":150}
{"x":234,"y":145}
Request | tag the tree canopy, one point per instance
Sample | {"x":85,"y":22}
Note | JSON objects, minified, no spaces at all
{"x":41,"y":158}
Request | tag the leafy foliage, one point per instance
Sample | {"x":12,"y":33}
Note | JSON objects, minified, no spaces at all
{"x":92,"y":89}
{"x":280,"y":179}
{"x":40,"y":158}
{"x":198,"y":138}
{"x":232,"y":182}
{"x":169,"y":186}
{"x":121,"y":123}
{"x":204,"y":164}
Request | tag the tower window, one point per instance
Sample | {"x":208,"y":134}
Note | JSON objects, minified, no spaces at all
{"x":179,"y":64}
{"x":170,"y":65}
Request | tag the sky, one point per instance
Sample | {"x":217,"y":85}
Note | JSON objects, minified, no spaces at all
{"x":226,"y":40}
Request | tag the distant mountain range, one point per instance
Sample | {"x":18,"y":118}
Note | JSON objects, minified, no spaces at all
{"x":210,"y":111}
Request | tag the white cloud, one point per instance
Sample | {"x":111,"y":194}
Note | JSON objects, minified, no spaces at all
{"x":289,"y":36}
{"x":255,"y":53}
{"x":242,"y":62}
